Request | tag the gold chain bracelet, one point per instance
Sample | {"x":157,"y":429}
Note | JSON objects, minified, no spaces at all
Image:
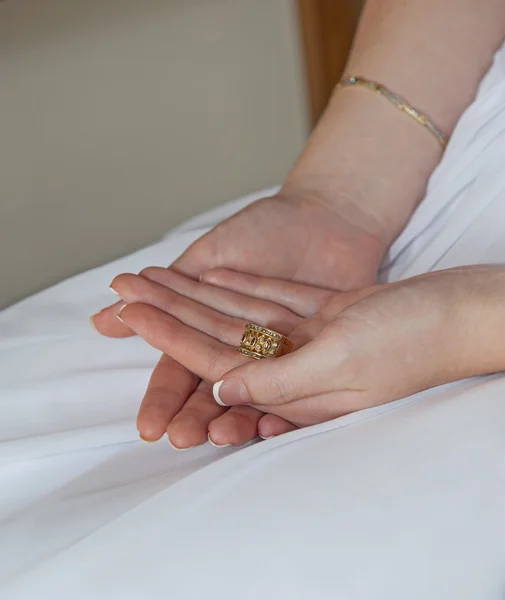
{"x":400,"y":103}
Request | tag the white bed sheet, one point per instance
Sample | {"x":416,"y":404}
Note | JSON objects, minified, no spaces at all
{"x":401,"y":501}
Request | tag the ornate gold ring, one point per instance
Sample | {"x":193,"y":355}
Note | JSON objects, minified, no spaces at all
{"x":260,"y":342}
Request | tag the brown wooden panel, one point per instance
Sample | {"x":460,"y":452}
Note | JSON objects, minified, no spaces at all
{"x":328,"y":28}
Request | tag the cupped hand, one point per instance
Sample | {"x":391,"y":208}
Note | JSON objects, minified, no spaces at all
{"x":220,"y":306}
{"x":353,"y":354}
{"x":300,"y":236}
{"x":176,"y":402}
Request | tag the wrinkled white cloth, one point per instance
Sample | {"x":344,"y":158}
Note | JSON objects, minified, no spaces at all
{"x":400,"y":501}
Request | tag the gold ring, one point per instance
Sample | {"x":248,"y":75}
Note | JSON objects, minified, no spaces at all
{"x":260,"y":342}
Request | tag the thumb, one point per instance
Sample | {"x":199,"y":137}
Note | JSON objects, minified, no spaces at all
{"x":274,"y":381}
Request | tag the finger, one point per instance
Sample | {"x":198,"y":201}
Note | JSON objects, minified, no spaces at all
{"x":135,"y":289}
{"x":168,"y":389}
{"x":236,"y":427}
{"x":190,"y":426}
{"x":304,"y":300}
{"x":106,"y":323}
{"x":310,"y":371}
{"x":192,"y":262}
{"x":270,"y":426}
{"x":232,"y":303}
{"x":199,"y":353}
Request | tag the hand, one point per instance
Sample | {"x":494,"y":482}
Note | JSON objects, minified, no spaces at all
{"x":398,"y":340}
{"x":297,"y":236}
{"x":174,"y":404}
{"x":187,"y":423}
{"x":284,"y":236}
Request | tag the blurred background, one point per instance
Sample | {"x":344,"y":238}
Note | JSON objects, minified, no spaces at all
{"x":119,"y":119}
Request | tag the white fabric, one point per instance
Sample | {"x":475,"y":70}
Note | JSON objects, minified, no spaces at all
{"x":400,"y":501}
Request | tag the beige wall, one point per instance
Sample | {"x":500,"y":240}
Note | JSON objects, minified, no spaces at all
{"x":120,"y":118}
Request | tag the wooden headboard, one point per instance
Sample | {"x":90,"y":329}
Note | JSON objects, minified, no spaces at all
{"x":328,"y":28}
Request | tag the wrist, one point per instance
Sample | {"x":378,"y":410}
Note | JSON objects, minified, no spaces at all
{"x":470,"y":312}
{"x":483,"y":313}
{"x":369,"y":160}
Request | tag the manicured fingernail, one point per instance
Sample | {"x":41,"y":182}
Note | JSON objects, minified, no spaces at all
{"x":92,"y":323}
{"x":120,"y":310}
{"x":266,"y":437}
{"x":215,"y":392}
{"x":179,"y":449}
{"x":217,"y":445}
{"x":230,"y":391}
{"x":113,"y":290}
{"x":148,"y":441}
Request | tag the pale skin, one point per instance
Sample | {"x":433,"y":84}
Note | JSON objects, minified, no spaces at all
{"x":360,"y":349}
{"x":359,"y":179}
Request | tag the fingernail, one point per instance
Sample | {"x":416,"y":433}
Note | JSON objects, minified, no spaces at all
{"x":215,"y":392}
{"x":120,"y":310}
{"x":217,"y":445}
{"x":230,"y":391}
{"x":179,"y":449}
{"x":92,"y":323}
{"x":148,"y":441}
{"x":200,"y":278}
{"x":113,"y":290}
{"x":268,"y":437}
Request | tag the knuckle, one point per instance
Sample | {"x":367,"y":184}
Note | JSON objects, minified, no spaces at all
{"x":174,"y":304}
{"x":215,"y":365}
{"x":280,"y":389}
{"x":224,"y":326}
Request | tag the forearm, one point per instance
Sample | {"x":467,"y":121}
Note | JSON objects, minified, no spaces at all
{"x":369,"y":157}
